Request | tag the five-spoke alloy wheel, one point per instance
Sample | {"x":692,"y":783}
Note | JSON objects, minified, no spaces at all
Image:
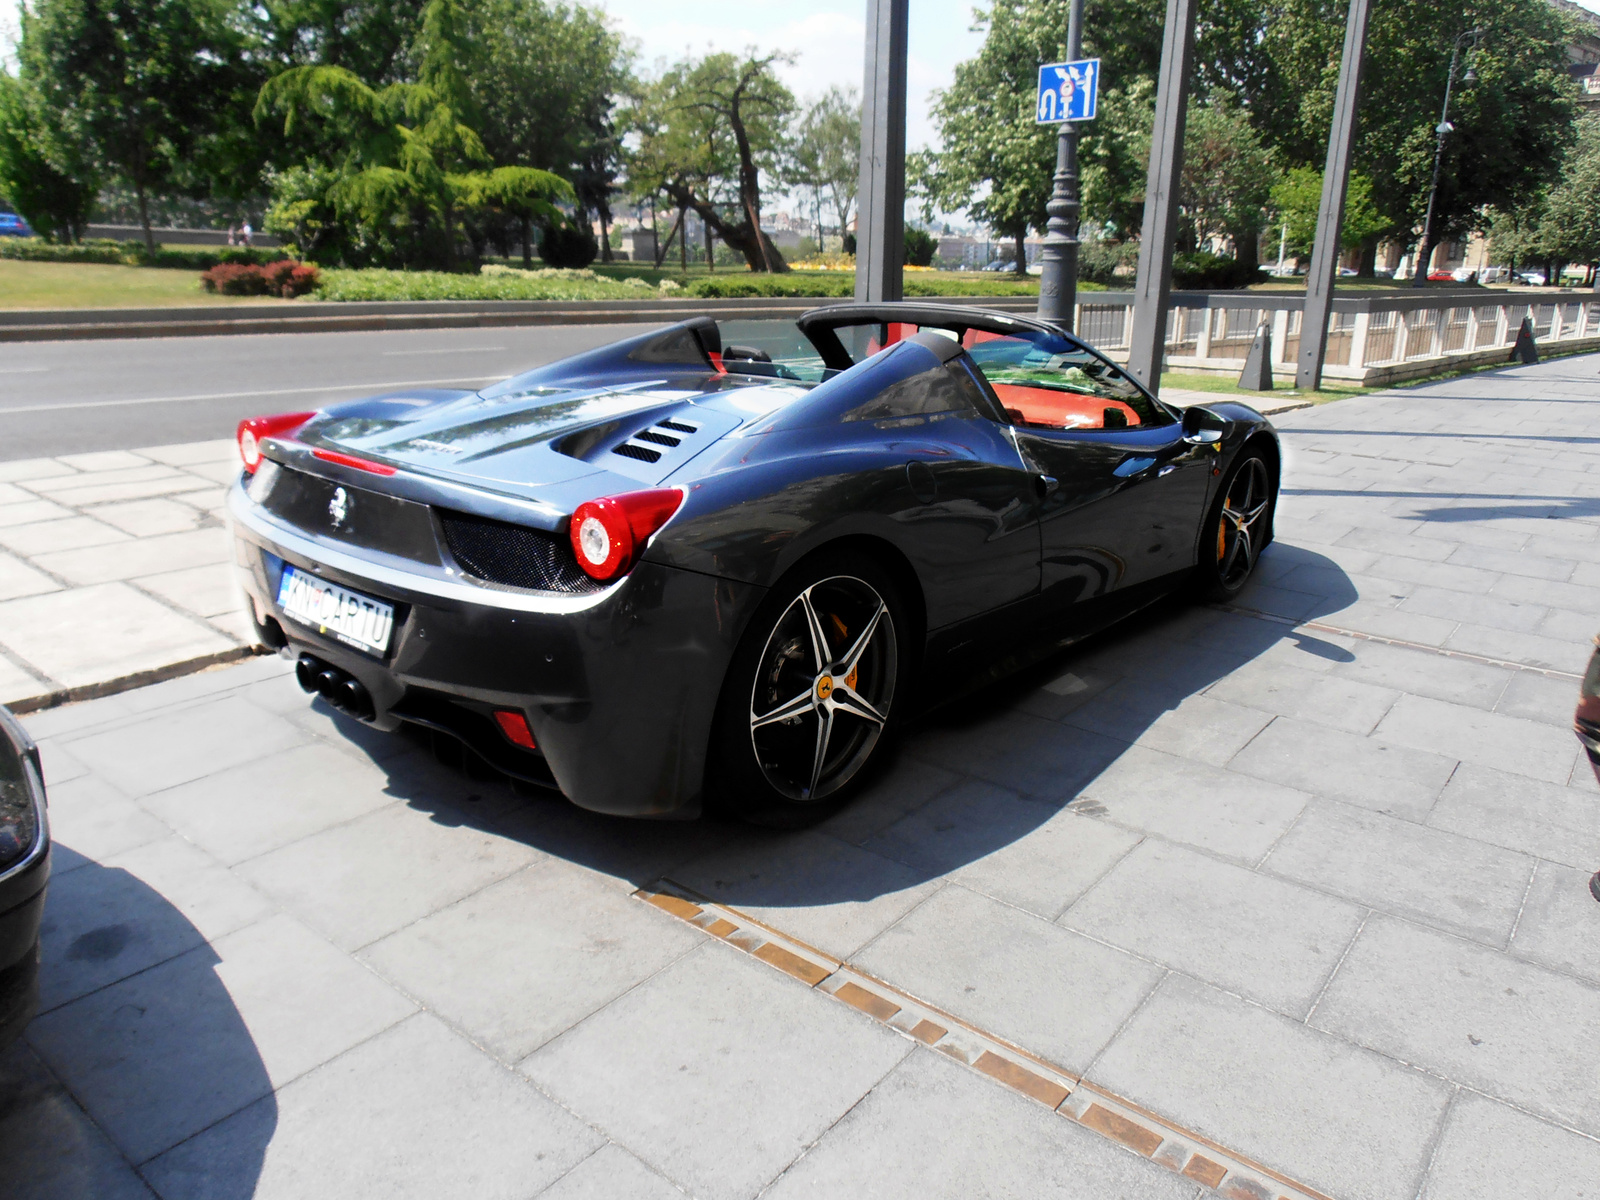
{"x":1240,"y":526}
{"x":816,"y":682}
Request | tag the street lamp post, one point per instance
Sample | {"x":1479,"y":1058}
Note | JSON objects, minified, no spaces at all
{"x":1469,"y":39}
{"x":1058,"y":256}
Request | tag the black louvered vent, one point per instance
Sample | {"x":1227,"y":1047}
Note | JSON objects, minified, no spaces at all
{"x":666,"y":434}
{"x":642,"y":453}
{"x":514,"y":555}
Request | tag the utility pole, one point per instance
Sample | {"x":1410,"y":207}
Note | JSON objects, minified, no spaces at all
{"x":1058,"y":257}
{"x":1152,"y":288}
{"x":881,"y":211}
{"x":1419,"y":277}
{"x":1330,"y":213}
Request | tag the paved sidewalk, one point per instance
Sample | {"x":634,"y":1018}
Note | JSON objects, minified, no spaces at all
{"x":1305,"y":879}
{"x":114,"y":564}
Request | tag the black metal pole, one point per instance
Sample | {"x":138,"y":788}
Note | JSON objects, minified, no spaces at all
{"x":1147,"y":344}
{"x":1058,"y":257}
{"x":1330,"y":214}
{"x":1419,"y":277}
{"x":881,"y":209}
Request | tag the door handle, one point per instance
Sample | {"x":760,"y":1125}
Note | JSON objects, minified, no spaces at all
{"x":1045,"y":485}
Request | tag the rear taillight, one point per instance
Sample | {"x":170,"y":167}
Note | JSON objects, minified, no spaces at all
{"x":607,"y":534}
{"x":350,"y":460}
{"x":252,"y":430}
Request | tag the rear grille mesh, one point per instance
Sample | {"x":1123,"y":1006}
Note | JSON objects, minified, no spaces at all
{"x":513,"y":555}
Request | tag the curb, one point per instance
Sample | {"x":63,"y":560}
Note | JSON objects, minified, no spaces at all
{"x":1179,"y":1150}
{"x":139,"y":679}
{"x":41,"y":325}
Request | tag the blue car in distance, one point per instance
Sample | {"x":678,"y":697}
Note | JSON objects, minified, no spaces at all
{"x":11,"y":225}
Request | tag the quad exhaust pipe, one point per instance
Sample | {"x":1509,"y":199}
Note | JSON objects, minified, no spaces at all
{"x":339,"y":688}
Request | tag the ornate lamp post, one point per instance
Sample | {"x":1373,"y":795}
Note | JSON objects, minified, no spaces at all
{"x":1058,"y":256}
{"x":1469,"y":40}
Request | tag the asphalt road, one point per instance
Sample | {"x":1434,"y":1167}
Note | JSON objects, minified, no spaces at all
{"x":72,"y":397}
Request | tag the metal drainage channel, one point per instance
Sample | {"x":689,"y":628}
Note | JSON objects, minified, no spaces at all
{"x":1179,"y":1150}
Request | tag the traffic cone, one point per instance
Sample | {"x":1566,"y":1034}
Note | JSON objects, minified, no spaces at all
{"x":1257,"y":373}
{"x":1524,"y":349}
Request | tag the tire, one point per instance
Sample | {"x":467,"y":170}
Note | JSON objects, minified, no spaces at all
{"x":811,"y":697}
{"x":1237,"y":528}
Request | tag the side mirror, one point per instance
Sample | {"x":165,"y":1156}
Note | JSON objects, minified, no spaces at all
{"x":1200,"y":427}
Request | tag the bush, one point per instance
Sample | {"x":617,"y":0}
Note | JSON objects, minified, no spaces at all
{"x":921,"y":246}
{"x":133,"y":254}
{"x":568,"y":245}
{"x":285,"y":278}
{"x":378,"y":284}
{"x":1203,"y":271}
{"x":1099,"y":259}
{"x":789,"y":284}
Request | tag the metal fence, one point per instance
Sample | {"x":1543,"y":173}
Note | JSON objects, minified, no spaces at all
{"x":1371,"y":339}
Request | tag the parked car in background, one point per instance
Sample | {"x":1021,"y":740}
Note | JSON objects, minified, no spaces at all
{"x":1587,"y":724}
{"x":1494,"y":275}
{"x":1532,"y":278}
{"x":11,"y":225}
{"x":24,"y":871}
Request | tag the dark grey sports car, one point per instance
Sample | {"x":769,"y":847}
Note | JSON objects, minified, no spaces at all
{"x":673,"y":570}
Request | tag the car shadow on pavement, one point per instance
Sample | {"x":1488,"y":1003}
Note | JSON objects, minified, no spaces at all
{"x":139,"y":1045}
{"x":970,"y":780}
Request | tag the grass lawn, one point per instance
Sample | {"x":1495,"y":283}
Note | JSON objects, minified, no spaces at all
{"x":90,"y":285}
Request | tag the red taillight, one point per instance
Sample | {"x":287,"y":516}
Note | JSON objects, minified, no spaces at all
{"x":253,"y":429}
{"x":515,"y":726}
{"x":350,"y":460}
{"x":608,"y":533}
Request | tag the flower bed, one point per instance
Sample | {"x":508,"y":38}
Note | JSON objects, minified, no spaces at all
{"x":285,"y":278}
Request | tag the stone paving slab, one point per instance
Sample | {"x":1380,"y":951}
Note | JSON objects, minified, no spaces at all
{"x":1294,"y":938}
{"x":114,"y":564}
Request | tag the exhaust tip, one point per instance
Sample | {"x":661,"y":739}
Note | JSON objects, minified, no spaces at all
{"x":306,"y":670}
{"x":351,"y":697}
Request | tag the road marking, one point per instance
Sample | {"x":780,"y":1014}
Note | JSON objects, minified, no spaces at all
{"x":22,"y":370}
{"x":446,"y":350}
{"x":305,"y":391}
{"x":1179,"y":1150}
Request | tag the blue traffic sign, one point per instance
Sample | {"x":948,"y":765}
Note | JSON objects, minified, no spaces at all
{"x":1068,"y":91}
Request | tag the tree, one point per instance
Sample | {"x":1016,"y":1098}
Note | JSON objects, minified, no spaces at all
{"x":707,"y":130}
{"x":1511,"y":127}
{"x":154,"y":87}
{"x":42,"y":172}
{"x":1297,"y":199}
{"x":1227,"y":177}
{"x":826,"y":156}
{"x":1563,"y":226}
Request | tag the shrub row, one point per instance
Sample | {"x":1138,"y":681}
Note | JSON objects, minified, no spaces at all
{"x":285,"y":278}
{"x":133,"y":254}
{"x":378,"y":284}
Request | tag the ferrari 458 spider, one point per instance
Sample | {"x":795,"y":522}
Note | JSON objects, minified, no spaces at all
{"x":672,"y":570}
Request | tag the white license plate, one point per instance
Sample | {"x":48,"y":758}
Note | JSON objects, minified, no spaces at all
{"x":352,"y":618}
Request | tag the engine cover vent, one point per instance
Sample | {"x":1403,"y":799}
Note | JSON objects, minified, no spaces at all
{"x":648,"y":445}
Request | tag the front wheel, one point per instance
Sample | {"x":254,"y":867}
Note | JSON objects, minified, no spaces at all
{"x":1236,"y":529}
{"x":810,"y":696}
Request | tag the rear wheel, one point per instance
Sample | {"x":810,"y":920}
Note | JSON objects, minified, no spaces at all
{"x":811,"y":694}
{"x":1237,"y":528}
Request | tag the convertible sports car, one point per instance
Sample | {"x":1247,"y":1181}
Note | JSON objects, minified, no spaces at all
{"x":670,"y":571}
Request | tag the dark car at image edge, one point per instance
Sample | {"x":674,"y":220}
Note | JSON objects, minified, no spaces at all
{"x":24,"y":874}
{"x":672,"y":571}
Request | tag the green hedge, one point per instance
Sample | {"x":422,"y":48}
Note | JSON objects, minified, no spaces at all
{"x":836,"y":284}
{"x":377,"y":284}
{"x":134,"y":254}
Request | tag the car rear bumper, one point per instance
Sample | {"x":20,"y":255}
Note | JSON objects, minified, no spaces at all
{"x":619,"y":687}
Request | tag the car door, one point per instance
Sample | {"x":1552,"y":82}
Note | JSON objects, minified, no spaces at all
{"x":1123,"y":489}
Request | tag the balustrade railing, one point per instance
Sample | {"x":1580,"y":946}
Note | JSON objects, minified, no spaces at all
{"x":1372,"y":338}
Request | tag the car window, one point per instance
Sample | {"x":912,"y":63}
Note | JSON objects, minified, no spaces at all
{"x":945,"y":389}
{"x":1049,"y":382}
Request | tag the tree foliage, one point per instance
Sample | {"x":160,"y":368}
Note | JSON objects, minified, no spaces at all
{"x":40,"y":172}
{"x":825,"y":157}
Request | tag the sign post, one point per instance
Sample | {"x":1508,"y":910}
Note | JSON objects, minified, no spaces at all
{"x":1068,"y":92}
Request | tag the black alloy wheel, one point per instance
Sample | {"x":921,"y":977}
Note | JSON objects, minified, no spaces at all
{"x":1239,"y":526}
{"x":810,"y":696}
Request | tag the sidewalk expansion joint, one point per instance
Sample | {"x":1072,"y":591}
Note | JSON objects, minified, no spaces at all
{"x":1179,"y":1150}
{"x":139,"y":679}
{"x":1443,"y":651}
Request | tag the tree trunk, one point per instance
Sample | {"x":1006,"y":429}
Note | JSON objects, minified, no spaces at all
{"x":711,"y":249}
{"x":661,"y":250}
{"x":1247,"y":249}
{"x":683,"y":242}
{"x":1367,"y":268}
{"x":1021,"y":265}
{"x":527,"y":242}
{"x":605,"y":233}
{"x":144,"y":216}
